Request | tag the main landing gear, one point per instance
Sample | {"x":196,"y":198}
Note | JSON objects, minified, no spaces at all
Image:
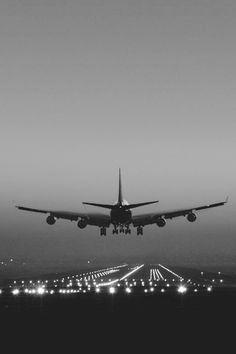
{"x":122,"y":230}
{"x":127,"y":230}
{"x":139,"y":230}
{"x":115,"y":231}
{"x":103,"y":231}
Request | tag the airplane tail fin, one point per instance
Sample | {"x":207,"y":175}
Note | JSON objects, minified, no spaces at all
{"x":120,"y":195}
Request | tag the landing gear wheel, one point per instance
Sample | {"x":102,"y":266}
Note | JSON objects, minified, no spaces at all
{"x":140,"y":230}
{"x":103,"y":231}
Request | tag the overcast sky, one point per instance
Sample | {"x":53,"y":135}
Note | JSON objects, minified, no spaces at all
{"x":88,"y":86}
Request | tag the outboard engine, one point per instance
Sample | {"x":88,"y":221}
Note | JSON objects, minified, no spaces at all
{"x":51,"y":220}
{"x":161,"y":222}
{"x":191,"y":217}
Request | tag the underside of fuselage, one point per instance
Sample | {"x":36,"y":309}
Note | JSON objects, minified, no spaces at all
{"x":119,"y":216}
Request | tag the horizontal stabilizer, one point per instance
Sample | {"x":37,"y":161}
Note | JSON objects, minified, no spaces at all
{"x":106,"y":206}
{"x":132,"y":206}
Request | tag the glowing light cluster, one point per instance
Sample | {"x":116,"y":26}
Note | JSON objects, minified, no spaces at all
{"x":182,"y":289}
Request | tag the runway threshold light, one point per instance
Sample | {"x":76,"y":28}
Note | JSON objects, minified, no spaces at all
{"x":182,"y":289}
{"x":112,"y":290}
{"x":40,"y":291}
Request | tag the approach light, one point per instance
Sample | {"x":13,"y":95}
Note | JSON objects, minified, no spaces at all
{"x":182,"y":289}
{"x":40,"y":291}
{"x":112,"y":290}
{"x":15,"y":291}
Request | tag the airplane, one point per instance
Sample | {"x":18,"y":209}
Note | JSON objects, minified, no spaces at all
{"x":120,"y":215}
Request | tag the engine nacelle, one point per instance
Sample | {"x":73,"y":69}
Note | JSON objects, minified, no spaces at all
{"x":51,"y":220}
{"x":82,"y":223}
{"x":191,"y":217}
{"x":161,"y":222}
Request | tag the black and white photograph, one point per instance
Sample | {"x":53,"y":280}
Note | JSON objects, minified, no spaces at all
{"x":117,"y":156}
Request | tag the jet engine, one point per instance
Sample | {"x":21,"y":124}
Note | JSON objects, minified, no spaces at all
{"x":191,"y":217}
{"x":161,"y":222}
{"x":82,"y":223}
{"x":51,"y":220}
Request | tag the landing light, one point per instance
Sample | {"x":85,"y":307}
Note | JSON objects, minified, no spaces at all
{"x":15,"y":291}
{"x":128,"y":290}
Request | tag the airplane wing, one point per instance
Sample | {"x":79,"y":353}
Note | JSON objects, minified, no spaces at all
{"x":152,"y":218}
{"x":95,"y":219}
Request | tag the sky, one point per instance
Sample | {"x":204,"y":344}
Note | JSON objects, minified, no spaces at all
{"x":89,"y":86}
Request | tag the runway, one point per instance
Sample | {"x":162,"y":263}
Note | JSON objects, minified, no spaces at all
{"x":122,"y":279}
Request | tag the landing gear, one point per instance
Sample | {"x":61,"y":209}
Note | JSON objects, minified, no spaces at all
{"x":122,"y":230}
{"x":127,"y":230}
{"x":115,"y":231}
{"x":103,"y":231}
{"x":139,"y":230}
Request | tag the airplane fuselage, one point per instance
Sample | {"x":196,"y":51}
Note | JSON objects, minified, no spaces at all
{"x":120,"y":216}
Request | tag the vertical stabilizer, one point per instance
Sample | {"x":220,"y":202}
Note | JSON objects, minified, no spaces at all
{"x":120,"y":197}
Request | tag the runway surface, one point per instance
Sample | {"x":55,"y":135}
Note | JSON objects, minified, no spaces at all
{"x":132,"y":288}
